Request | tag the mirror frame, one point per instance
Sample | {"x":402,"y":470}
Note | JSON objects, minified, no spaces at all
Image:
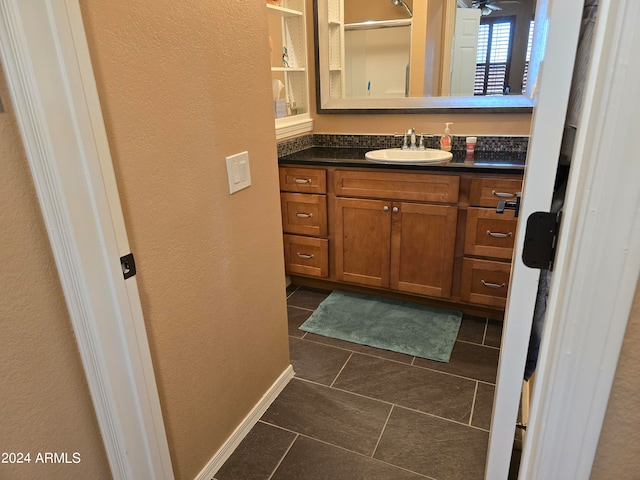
{"x":404,"y":105}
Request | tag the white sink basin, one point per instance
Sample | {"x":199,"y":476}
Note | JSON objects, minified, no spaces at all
{"x":411,"y":157}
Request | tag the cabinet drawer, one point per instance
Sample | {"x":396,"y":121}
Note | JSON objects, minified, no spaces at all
{"x":304,"y":214}
{"x":487,"y":192}
{"x":306,"y":256}
{"x":490,"y":234}
{"x":485,"y":282}
{"x":303,"y":180}
{"x":397,"y":186}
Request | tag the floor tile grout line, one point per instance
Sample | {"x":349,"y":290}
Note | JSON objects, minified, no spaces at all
{"x":302,"y":308}
{"x":478,"y":344}
{"x":473,"y":405}
{"x":486,"y":327}
{"x":392,"y":404}
{"x":355,"y":351}
{"x":412,"y":364}
{"x":344,"y":365}
{"x":283,"y":456}
{"x":296,"y":289}
{"x":345,"y":449}
{"x":432,"y":415}
{"x":382,"y":431}
{"x":453,"y":375}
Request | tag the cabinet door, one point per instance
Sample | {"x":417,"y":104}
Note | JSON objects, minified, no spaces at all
{"x":304,"y":214}
{"x":362,"y":241}
{"x":487,"y":192}
{"x":485,"y":282}
{"x":490,"y":234}
{"x":303,"y":180}
{"x":306,"y":255}
{"x":423,"y":246}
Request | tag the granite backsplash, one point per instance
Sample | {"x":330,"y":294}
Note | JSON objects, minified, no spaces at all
{"x":516,"y":144}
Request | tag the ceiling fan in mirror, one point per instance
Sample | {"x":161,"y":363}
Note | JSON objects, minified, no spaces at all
{"x":486,"y":7}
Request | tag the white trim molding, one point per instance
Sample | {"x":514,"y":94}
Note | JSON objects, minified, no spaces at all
{"x":222,"y":455}
{"x":292,"y":126}
{"x":597,"y":263}
{"x":49,"y":74}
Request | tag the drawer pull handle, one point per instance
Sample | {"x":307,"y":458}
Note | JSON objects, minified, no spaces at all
{"x":304,"y":215}
{"x":305,"y":256}
{"x":302,"y":180}
{"x":502,"y":194}
{"x":492,"y":285}
{"x":499,"y":234}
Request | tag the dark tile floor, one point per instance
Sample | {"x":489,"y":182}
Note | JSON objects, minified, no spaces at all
{"x":359,"y":413}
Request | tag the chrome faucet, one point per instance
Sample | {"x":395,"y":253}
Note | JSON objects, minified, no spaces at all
{"x":412,"y":134}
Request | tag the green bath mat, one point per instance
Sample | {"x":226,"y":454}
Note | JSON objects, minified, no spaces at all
{"x":402,"y":327}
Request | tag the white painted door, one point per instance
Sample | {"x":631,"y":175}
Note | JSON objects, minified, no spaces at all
{"x":552,"y":91}
{"x":465,"y":47}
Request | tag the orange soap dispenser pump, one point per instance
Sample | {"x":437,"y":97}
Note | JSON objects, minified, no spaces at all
{"x":445,"y":139}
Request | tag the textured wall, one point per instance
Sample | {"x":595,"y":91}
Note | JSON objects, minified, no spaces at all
{"x":617,"y":455}
{"x":44,"y":399}
{"x":182,"y":85}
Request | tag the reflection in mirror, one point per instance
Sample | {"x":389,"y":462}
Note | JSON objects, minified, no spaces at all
{"x":390,"y":56}
{"x":405,"y":49}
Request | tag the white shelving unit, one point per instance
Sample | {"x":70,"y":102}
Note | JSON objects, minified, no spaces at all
{"x":331,"y":51}
{"x":287,"y":29}
{"x":335,"y":22}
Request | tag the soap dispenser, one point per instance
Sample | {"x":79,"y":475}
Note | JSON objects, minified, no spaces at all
{"x":445,"y":139}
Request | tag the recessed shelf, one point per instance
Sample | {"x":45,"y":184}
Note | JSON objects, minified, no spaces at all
{"x":284,"y":12}
{"x":287,"y":28}
{"x":288,"y":69}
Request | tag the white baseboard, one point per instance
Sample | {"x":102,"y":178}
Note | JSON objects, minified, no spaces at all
{"x":221,"y":456}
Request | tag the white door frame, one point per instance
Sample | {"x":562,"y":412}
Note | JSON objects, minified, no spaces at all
{"x":561,"y":20}
{"x":49,"y":73}
{"x":48,"y":69}
{"x":597,"y":263}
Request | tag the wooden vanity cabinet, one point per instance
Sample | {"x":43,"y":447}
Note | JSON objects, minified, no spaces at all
{"x":490,"y":236}
{"x":389,"y":243}
{"x":434,"y":235}
{"x":304,"y":221}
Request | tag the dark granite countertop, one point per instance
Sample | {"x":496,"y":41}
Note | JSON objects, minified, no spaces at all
{"x":480,"y":162}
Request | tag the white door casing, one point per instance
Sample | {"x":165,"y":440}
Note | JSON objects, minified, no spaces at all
{"x":597,"y":262}
{"x":48,"y":69}
{"x":40,"y":40}
{"x":598,"y":259}
{"x":553,"y":85}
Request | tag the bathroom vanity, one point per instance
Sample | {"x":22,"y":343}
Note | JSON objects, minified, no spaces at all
{"x":428,"y":231}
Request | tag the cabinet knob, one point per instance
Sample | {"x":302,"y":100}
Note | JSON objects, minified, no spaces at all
{"x":385,"y":209}
{"x":395,"y":209}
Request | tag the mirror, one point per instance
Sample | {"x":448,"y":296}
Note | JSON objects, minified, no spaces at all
{"x":414,"y":56}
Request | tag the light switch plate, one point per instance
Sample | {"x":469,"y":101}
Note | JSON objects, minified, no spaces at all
{"x":238,"y":172}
